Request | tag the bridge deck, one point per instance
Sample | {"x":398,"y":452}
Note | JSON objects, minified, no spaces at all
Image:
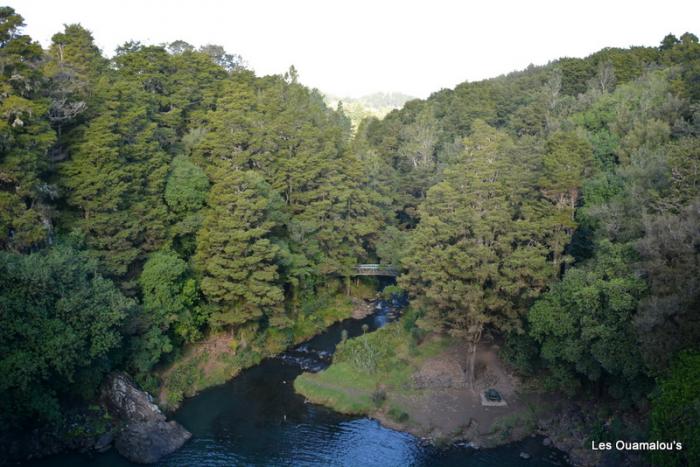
{"x":375,"y":270}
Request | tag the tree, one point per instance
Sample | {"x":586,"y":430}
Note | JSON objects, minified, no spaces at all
{"x":187,"y":186}
{"x":476,"y":256}
{"x":116,"y":177}
{"x":218,"y":55}
{"x":236,"y":256}
{"x":25,"y":139}
{"x":75,"y":64}
{"x":564,"y":167}
{"x":668,"y":42}
{"x":60,"y":321}
{"x":171,"y":311}
{"x":391,"y":246}
{"x":668,"y":319}
{"x":285,"y":132}
{"x":675,"y":410}
{"x":416,"y":151}
{"x":605,"y":79}
{"x":196,"y":83}
{"x":584,"y":326}
{"x":179,"y":47}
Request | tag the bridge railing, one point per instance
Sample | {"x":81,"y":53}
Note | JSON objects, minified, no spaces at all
{"x":376,"y":270}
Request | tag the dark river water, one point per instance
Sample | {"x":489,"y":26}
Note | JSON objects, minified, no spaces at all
{"x":256,"y":419}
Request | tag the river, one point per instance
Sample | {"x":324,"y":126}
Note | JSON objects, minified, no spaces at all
{"x":256,"y":419}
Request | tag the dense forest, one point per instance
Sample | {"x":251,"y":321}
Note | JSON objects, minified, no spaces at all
{"x":167,"y":193}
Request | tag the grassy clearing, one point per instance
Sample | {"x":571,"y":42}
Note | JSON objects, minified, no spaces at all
{"x":371,"y":372}
{"x":350,"y":399}
{"x":223,"y":355}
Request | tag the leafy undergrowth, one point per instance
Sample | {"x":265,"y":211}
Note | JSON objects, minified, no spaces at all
{"x":371,"y":374}
{"x":223,"y":355}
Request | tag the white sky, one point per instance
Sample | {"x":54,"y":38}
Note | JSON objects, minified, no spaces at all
{"x":355,"y":47}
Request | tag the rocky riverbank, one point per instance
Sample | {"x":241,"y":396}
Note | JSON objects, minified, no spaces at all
{"x":145,"y":436}
{"x":561,"y":423}
{"x":571,"y":425}
{"x":422,"y":390}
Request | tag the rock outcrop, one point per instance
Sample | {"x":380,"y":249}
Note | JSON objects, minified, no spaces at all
{"x":145,"y":436}
{"x":361,"y":308}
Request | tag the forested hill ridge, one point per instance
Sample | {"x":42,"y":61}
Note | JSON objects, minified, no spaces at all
{"x":376,"y":105}
{"x":151,"y":200}
{"x":558,"y":209}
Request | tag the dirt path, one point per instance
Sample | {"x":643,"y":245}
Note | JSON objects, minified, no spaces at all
{"x":441,"y":406}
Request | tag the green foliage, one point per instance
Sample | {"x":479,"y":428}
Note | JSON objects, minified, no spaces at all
{"x":365,"y":353}
{"x":59,"y":324}
{"x":667,"y":320}
{"x":235,"y":254}
{"x":25,"y":138}
{"x":171,"y":310}
{"x":391,"y":246}
{"x":618,"y":318}
{"x":564,"y":168}
{"x":186,"y":187}
{"x":118,"y":187}
{"x":479,"y":253}
{"x":584,"y":326}
{"x":398,"y":415}
{"x":675,"y":410}
{"x":222,"y":201}
{"x":391,"y":291}
{"x":521,"y":351}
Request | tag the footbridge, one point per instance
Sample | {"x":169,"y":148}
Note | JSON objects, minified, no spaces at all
{"x":375,"y":270}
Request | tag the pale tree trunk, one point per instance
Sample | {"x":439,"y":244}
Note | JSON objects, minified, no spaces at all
{"x":473,"y":338}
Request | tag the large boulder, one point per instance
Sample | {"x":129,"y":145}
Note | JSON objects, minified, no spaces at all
{"x":127,"y":401}
{"x":148,"y":442}
{"x":146,"y":435}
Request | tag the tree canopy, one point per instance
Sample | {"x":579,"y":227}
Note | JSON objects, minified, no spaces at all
{"x":167,"y":192}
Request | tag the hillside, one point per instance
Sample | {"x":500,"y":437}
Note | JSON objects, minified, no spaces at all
{"x":372,"y":105}
{"x":167,"y":205}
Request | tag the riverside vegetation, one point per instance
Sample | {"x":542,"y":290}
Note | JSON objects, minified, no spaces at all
{"x":168,"y":213}
{"x":366,"y":367}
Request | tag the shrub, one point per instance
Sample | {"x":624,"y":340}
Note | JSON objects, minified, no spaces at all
{"x":366,"y":352}
{"x":398,"y":415}
{"x":521,"y":351}
{"x":379,"y":397}
{"x":675,"y":411}
{"x":391,"y":291}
